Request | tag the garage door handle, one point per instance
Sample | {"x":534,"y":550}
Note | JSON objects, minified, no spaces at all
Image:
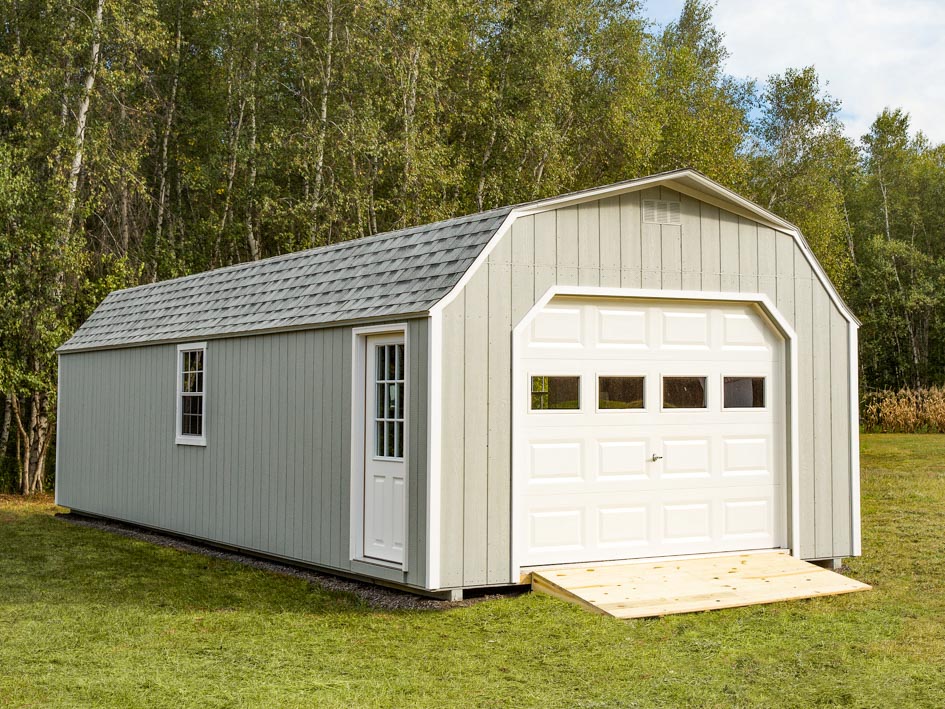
{"x":656,"y":457}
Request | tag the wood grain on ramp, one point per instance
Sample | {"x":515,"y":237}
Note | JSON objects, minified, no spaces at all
{"x":655,"y":588}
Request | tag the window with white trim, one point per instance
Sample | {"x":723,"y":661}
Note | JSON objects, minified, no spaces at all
{"x":191,"y":394}
{"x":555,"y":393}
{"x":389,"y":380}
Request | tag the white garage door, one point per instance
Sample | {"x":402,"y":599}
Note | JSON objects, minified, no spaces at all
{"x":648,"y":428}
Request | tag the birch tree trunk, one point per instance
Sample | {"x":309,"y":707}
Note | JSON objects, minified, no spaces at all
{"x":5,"y":430}
{"x":236,"y":128}
{"x":252,"y":241}
{"x":32,"y":443}
{"x":316,"y":197}
{"x":165,"y":142}
{"x":82,"y":116}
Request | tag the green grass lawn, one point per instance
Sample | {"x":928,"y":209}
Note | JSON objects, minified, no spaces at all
{"x":89,"y":618}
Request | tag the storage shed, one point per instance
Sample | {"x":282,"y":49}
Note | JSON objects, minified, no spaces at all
{"x":648,"y":369}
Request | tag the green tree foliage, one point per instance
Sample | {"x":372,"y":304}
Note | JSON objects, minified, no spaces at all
{"x":702,"y":110}
{"x":899,"y":228}
{"x":150,"y":139}
{"x":802,"y":165}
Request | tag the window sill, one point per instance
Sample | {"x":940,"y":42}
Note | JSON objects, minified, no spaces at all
{"x":191,"y":441}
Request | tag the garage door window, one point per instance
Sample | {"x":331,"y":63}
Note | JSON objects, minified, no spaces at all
{"x":743,"y":392}
{"x":684,"y":393}
{"x":555,"y":393}
{"x":620,"y":393}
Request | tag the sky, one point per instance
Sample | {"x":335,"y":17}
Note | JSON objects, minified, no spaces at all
{"x":871,"y":53}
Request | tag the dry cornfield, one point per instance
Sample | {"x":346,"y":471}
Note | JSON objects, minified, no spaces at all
{"x":904,"y":411}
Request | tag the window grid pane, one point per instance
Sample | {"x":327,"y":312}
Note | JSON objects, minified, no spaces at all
{"x":389,"y":388}
{"x":191,"y":374}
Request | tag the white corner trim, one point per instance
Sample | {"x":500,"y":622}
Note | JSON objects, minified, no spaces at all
{"x":791,"y":345}
{"x":768,"y":309}
{"x":58,"y":423}
{"x":359,"y":337}
{"x":434,"y":448}
{"x":179,"y":438}
{"x":856,"y":533}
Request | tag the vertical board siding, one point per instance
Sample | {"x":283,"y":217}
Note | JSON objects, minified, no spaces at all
{"x":589,"y":244}
{"x":453,"y":454}
{"x":840,"y":422}
{"x":691,"y":244}
{"x":610,"y":256}
{"x":275,"y":474}
{"x":522,"y":277}
{"x":476,"y":428}
{"x":606,"y":242}
{"x":631,"y":241}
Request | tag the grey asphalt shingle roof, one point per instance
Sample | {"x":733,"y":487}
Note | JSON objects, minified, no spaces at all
{"x":396,"y":273}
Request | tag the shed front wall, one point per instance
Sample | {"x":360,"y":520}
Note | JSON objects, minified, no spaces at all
{"x":275,"y":475}
{"x":605,"y":243}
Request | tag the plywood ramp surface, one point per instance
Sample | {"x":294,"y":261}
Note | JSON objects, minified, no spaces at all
{"x":647,"y":589}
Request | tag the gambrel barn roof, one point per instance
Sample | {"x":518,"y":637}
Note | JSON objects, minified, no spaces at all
{"x":394,"y":273}
{"x":398,"y":273}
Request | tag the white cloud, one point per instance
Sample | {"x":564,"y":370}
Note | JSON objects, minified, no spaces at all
{"x":872,"y":53}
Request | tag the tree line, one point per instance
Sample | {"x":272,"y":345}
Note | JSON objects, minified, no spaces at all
{"x":150,"y":139}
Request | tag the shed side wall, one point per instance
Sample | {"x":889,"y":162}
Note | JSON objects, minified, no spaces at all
{"x":275,"y":474}
{"x":606,"y":243}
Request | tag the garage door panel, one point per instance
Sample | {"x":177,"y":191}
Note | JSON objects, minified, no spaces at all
{"x":556,"y":462}
{"x":558,"y":327}
{"x":556,"y":530}
{"x":617,"y":484}
{"x":623,"y":329}
{"x":687,"y":522}
{"x":686,"y":458}
{"x":622,"y":460}
{"x":624,"y":526}
{"x":685,"y":331}
{"x":742,"y":332}
{"x":747,"y":456}
{"x":748,"y":518}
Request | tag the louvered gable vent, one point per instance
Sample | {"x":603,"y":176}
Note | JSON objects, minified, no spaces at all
{"x":661,"y":211}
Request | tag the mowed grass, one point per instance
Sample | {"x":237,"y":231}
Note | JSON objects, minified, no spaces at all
{"x":89,"y":618}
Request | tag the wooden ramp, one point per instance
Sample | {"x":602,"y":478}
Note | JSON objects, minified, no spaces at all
{"x":656,"y":588}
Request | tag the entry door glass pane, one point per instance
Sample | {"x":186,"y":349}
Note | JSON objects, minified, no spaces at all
{"x":555,"y":393}
{"x":684,"y":393}
{"x":620,"y":393}
{"x":744,"y":393}
{"x":389,"y":387}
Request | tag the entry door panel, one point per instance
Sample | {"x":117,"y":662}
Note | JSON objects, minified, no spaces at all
{"x":601,"y":483}
{"x":385,"y":425}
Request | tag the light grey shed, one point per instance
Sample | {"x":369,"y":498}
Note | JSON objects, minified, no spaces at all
{"x":446,"y":406}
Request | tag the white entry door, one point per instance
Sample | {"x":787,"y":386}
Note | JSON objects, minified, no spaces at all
{"x":385,"y":468}
{"x":648,"y":428}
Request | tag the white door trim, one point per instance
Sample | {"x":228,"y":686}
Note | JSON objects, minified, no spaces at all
{"x":766,"y":308}
{"x":359,"y":336}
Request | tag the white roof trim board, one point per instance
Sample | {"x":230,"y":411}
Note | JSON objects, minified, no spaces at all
{"x":398,"y":273}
